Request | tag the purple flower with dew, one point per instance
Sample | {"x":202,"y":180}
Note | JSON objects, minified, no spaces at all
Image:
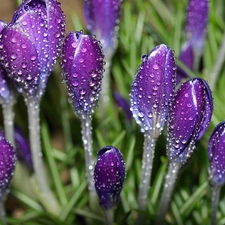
{"x":109,"y":175}
{"x":195,"y":32}
{"x":102,"y":17}
{"x":7,"y":165}
{"x":189,"y":117}
{"x":153,"y":88}
{"x":5,"y":83}
{"x":82,"y":68}
{"x":30,"y":44}
{"x":121,"y":102}
{"x":216,"y":154}
{"x":23,"y":147}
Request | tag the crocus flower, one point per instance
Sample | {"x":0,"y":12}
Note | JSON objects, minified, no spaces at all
{"x":189,"y":118}
{"x":82,"y":69}
{"x":23,"y":147}
{"x":109,"y":175}
{"x":216,"y":153}
{"x":195,"y":32}
{"x":30,"y":44}
{"x":102,"y":17}
{"x":153,"y":88}
{"x":82,"y":65}
{"x":5,"y":84}
{"x":151,"y":94}
{"x":7,"y":165}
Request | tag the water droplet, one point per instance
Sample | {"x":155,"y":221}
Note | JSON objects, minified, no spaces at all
{"x":33,"y":58}
{"x":24,"y":65}
{"x":155,"y":67}
{"x":14,"y":56}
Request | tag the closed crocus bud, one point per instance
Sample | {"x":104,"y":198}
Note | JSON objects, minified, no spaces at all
{"x":23,"y":147}
{"x":102,"y":17}
{"x":153,"y":89}
{"x":195,"y":32}
{"x":7,"y":165}
{"x":189,"y":118}
{"x":109,"y":175}
{"x":216,"y":154}
{"x":5,"y":83}
{"x":30,"y":44}
{"x":82,"y":69}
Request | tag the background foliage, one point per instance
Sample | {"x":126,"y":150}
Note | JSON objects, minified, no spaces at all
{"x":144,"y":24}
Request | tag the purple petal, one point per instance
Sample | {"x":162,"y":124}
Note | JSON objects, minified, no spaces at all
{"x":153,"y":88}
{"x":5,"y":85}
{"x":196,"y":23}
{"x":187,"y":58}
{"x":23,"y":147}
{"x":82,"y":65}
{"x":216,"y":154}
{"x":19,"y":55}
{"x":102,"y":17}
{"x":56,"y":29}
{"x":189,"y":118}
{"x":7,"y":164}
{"x":121,"y":102}
{"x":109,"y":175}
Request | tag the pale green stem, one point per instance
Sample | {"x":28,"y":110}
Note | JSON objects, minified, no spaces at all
{"x":108,"y":215}
{"x":89,"y":162}
{"x":169,"y":183}
{"x":8,"y":117}
{"x":104,"y":97}
{"x":147,"y":161}
{"x":214,"y":203}
{"x":47,"y":198}
{"x":213,"y":77}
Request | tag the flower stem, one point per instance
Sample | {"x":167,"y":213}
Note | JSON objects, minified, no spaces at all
{"x":47,"y":197}
{"x":213,"y":77}
{"x":214,"y":203}
{"x":170,"y":180}
{"x":87,"y":142}
{"x":2,"y":210}
{"x":104,"y":97}
{"x":147,"y":160}
{"x":8,"y":116}
{"x":108,"y":216}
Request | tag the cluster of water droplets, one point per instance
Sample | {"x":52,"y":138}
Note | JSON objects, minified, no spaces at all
{"x":187,"y":119}
{"x":109,"y":176}
{"x":82,"y":69}
{"x":7,"y":164}
{"x":153,"y":88}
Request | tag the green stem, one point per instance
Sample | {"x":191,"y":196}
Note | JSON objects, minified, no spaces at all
{"x":170,"y":181}
{"x":147,"y":160}
{"x":47,"y":197}
{"x":108,"y":215}
{"x":214,"y":203}
{"x":8,"y":116}
{"x":2,"y":210}
{"x":87,"y":142}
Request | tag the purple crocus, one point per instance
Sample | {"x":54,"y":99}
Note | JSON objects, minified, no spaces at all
{"x":82,"y":65}
{"x":189,"y":118}
{"x":109,"y":175}
{"x":195,"y":32}
{"x":216,"y":153}
{"x":30,"y":44}
{"x":6,"y":92}
{"x":152,"y":89}
{"x":7,"y":165}
{"x":102,"y":17}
